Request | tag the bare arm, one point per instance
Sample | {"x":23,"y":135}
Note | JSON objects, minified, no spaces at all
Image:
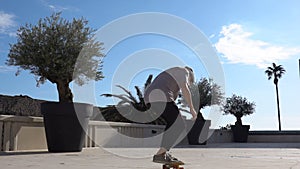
{"x":188,"y":97}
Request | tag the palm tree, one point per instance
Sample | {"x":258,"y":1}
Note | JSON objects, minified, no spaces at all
{"x":135,"y":108}
{"x":128,"y":98}
{"x":276,"y":71}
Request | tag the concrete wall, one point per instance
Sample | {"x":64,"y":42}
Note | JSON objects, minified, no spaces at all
{"x":1,"y":135}
{"x":21,"y":133}
{"x":112,"y":134}
{"x":204,"y":135}
{"x":219,"y":136}
{"x":27,"y":133}
{"x":274,"y":136}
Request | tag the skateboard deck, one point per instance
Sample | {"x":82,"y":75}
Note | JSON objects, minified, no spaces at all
{"x":172,"y":166}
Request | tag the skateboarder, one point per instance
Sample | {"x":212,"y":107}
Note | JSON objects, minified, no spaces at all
{"x":160,"y":95}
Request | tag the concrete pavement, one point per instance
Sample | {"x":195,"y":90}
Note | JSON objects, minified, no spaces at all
{"x":212,"y":156}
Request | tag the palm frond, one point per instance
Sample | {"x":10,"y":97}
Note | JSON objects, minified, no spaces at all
{"x":279,"y":71}
{"x":122,"y":97}
{"x":130,"y":96}
{"x":148,"y":81}
{"x":138,"y":92}
{"x":141,"y":96}
{"x":138,"y":104}
{"x":107,"y":95}
{"x":270,"y":69}
{"x":122,"y":102}
{"x":276,"y":70}
{"x":269,"y":73}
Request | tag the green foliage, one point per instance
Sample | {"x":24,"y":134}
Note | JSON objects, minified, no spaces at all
{"x":238,"y":106}
{"x":50,"y":50}
{"x":112,"y":113}
{"x":128,"y":98}
{"x":131,"y":105}
{"x":204,"y":93}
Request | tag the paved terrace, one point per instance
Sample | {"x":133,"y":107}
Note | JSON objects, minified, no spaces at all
{"x":213,"y":156}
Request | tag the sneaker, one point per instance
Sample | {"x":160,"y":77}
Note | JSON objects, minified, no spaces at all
{"x":166,"y":159}
{"x":173,"y":160}
{"x":159,"y":158}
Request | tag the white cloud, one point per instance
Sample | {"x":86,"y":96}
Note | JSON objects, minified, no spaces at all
{"x":237,"y":46}
{"x":212,"y":36}
{"x":57,"y":8}
{"x":7,"y":23}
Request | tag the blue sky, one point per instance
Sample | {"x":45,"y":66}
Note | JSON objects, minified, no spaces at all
{"x":247,"y":36}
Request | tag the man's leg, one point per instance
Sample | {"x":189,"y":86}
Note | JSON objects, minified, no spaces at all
{"x":174,"y":128}
{"x":174,"y":124}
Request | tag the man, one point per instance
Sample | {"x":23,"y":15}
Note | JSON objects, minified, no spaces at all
{"x":161,"y":95}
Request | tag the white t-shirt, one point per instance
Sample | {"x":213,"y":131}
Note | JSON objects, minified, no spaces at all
{"x":166,"y":86}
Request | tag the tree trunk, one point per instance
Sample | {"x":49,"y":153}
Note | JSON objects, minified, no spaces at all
{"x":64,"y":91}
{"x":239,"y":121}
{"x":278,"y":109}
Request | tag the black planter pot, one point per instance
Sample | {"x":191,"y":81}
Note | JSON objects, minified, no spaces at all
{"x":198,"y":131}
{"x":240,"y":133}
{"x":66,"y":125}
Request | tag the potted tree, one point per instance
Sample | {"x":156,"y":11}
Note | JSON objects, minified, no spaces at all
{"x":50,"y":51}
{"x":239,"y":106}
{"x":204,"y":93}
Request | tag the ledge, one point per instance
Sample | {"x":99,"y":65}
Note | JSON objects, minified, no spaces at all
{"x":25,"y":119}
{"x":119,"y":124}
{"x":287,"y":132}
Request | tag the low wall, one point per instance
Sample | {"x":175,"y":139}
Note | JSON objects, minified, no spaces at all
{"x":219,"y":136}
{"x":1,"y":135}
{"x":112,"y":134}
{"x":27,"y":133}
{"x":204,"y":134}
{"x":226,"y":136}
{"x":21,"y":133}
{"x":274,"y":136}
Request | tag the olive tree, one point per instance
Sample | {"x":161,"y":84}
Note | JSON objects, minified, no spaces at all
{"x":204,"y":93}
{"x":50,"y":50}
{"x":238,"y":106}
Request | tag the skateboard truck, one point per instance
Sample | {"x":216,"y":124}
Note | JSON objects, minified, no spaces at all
{"x":172,"y":166}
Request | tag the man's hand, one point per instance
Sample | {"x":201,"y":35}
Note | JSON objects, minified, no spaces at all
{"x":194,"y":114}
{"x":187,"y":95}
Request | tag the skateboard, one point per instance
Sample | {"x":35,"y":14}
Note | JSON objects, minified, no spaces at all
{"x":172,"y":166}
